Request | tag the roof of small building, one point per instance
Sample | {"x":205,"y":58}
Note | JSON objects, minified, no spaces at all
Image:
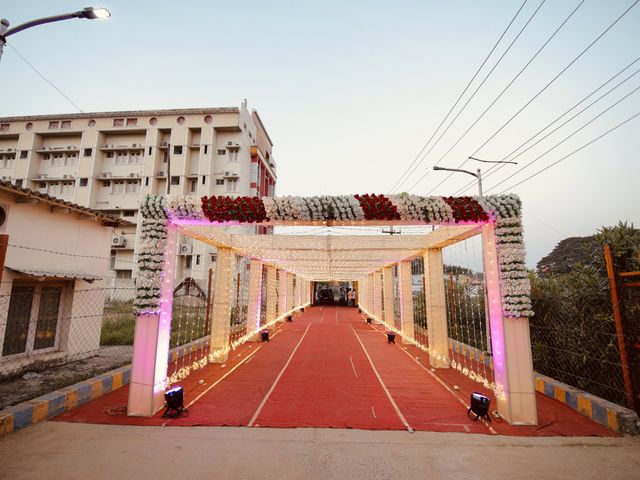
{"x":107,"y":219}
{"x":124,"y":113}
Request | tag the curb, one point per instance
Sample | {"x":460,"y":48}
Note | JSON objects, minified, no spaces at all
{"x":611,"y":415}
{"x":52,"y":404}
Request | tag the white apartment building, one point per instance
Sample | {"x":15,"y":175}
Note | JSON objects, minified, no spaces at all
{"x":108,"y":161}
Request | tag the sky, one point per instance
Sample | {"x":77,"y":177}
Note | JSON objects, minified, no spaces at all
{"x":350,"y":92}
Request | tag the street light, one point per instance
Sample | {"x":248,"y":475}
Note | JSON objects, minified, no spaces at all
{"x":478,"y":173}
{"x":90,"y":13}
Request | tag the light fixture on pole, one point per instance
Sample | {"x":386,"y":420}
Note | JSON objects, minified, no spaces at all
{"x":478,"y":173}
{"x":91,"y":13}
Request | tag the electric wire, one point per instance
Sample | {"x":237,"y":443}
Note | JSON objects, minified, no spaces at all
{"x":494,"y":168}
{"x":572,"y":153}
{"x":400,"y":181}
{"x":542,"y":90}
{"x":566,"y":138}
{"x":474,"y":93}
{"x":495,"y":100}
{"x":45,"y":78}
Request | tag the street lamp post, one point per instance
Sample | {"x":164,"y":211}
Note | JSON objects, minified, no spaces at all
{"x":478,"y":173}
{"x":90,"y":13}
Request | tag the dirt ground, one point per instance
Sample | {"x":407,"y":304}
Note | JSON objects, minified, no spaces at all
{"x":53,"y":450}
{"x":37,"y":382}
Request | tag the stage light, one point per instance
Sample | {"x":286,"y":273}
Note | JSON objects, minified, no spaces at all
{"x":264,"y":335}
{"x":368,"y":319}
{"x":289,"y":318}
{"x":479,"y":406}
{"x":391,"y":337}
{"x":175,"y":403}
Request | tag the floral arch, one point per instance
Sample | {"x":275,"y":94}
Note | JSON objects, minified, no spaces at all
{"x":497,"y":218}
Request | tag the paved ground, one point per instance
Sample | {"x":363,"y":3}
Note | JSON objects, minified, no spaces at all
{"x":56,"y":450}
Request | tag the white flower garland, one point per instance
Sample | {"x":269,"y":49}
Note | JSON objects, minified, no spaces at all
{"x":182,"y":207}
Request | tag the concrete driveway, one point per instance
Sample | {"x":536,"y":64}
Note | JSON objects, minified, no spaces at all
{"x":56,"y":450}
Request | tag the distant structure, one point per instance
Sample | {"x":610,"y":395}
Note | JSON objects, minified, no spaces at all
{"x":108,"y":161}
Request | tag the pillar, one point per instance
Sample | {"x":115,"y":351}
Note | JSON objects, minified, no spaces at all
{"x":437,"y":330}
{"x":255,"y":299}
{"x":151,"y":343}
{"x":406,"y":299}
{"x":387,"y":291}
{"x":282,"y":293}
{"x":291,"y":299}
{"x":220,"y":324}
{"x":377,"y":298}
{"x":511,"y":346}
{"x":272,"y":297}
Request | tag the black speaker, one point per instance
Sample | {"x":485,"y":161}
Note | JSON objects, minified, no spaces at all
{"x":264,"y":335}
{"x":289,"y":318}
{"x":368,"y":319}
{"x":391,"y":337}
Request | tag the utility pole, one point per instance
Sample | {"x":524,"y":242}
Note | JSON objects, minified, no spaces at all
{"x":391,"y":231}
{"x":478,"y":173}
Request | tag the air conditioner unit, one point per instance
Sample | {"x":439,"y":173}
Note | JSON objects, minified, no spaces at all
{"x":162,"y":174}
{"x":6,"y":179}
{"x":106,"y":174}
{"x":135,"y":145}
{"x":229,"y":143}
{"x":69,"y":147}
{"x":186,"y":249}
{"x":118,"y":241}
{"x":230,"y":175}
{"x":165,"y":144}
{"x":132,"y":174}
{"x":67,"y":176}
{"x":9,"y":149}
{"x":42,"y":175}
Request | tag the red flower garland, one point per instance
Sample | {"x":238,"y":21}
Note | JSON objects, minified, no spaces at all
{"x":466,"y":209}
{"x":377,"y":207}
{"x":239,"y":209}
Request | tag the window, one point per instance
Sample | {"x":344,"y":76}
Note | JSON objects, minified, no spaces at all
{"x":219,"y":181}
{"x":24,"y":153}
{"x":109,"y":154}
{"x":146,"y":181}
{"x":4,"y":127}
{"x":123,"y":274}
{"x":128,"y":213}
{"x":42,"y":185}
{"x":121,"y":158}
{"x":221,"y":151}
{"x":54,"y":189}
{"x":135,"y":158}
{"x":132,"y":122}
{"x":112,"y":259}
{"x":177,"y":149}
{"x":118,"y":186}
{"x":118,"y":122}
{"x":106,"y":183}
{"x":194,"y":185}
{"x":33,"y":318}
{"x":206,"y":149}
{"x":150,"y":150}
{"x":88,"y":152}
{"x":46,"y":156}
{"x":175,"y":180}
{"x":53,"y":125}
{"x":233,"y":155}
{"x":71,"y":160}
{"x":232,"y":185}
{"x":213,"y":257}
{"x":18,"y":182}
{"x":133,"y":186}
{"x":204,"y":179}
{"x":197,"y":259}
{"x":187,"y":261}
{"x":67,"y":188}
{"x":84,"y":182}
{"x":65,"y":124}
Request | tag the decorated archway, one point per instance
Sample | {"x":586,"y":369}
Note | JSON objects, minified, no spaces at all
{"x":282,"y":267}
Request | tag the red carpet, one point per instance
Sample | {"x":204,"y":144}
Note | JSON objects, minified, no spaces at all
{"x":330,"y":369}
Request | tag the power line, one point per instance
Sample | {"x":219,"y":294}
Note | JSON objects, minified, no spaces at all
{"x":572,"y":153}
{"x":45,"y":78}
{"x":474,"y":93}
{"x":543,"y":89}
{"x":568,"y":137}
{"x":400,"y":181}
{"x":495,"y":100}
{"x":495,"y":168}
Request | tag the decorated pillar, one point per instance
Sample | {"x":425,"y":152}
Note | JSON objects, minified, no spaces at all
{"x":282,"y":293}
{"x":153,"y":327}
{"x":291,"y":299}
{"x":272,"y":297}
{"x":511,"y":346}
{"x":387,"y":291}
{"x":406,"y":299}
{"x":437,"y":330}
{"x":220,"y":325}
{"x":377,"y":297}
{"x":255,"y":299}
